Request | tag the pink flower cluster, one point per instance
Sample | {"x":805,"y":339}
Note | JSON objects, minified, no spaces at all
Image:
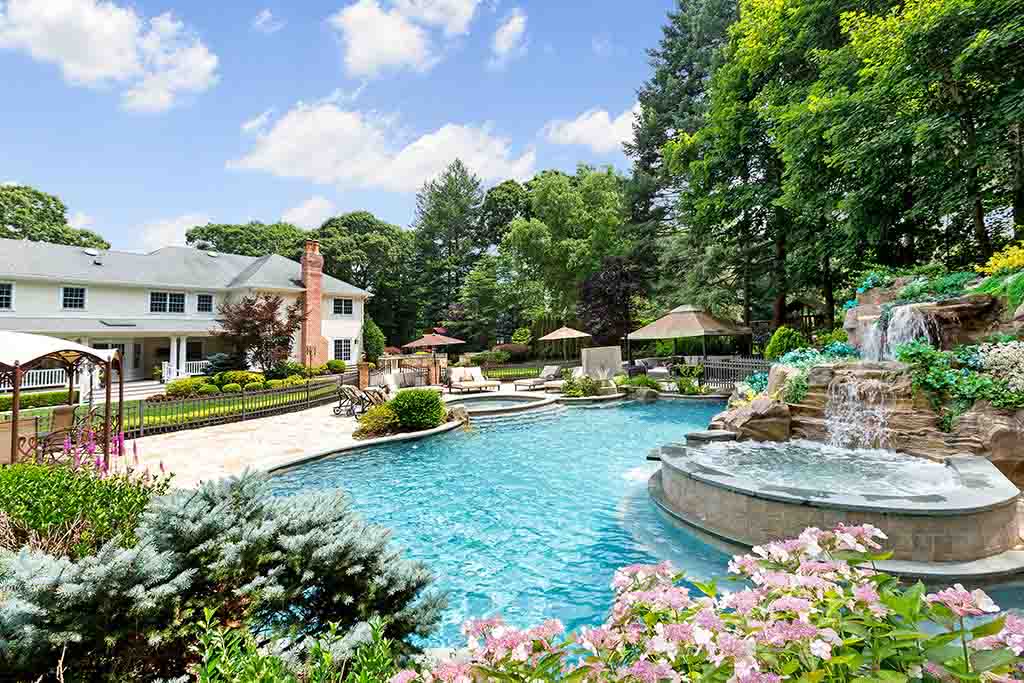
{"x":805,"y":608}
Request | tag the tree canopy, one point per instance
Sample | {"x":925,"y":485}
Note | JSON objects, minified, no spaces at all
{"x":30,"y":214}
{"x":247,"y":239}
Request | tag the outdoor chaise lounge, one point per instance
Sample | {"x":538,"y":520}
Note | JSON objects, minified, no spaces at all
{"x":548,"y":374}
{"x":471,"y":379}
{"x":556,"y":385}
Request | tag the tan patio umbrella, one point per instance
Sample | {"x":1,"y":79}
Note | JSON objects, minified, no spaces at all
{"x":689,"y":321}
{"x":432,"y":341}
{"x":564,"y":334}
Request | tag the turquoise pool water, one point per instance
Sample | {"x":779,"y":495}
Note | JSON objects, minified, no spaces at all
{"x":526,"y":517}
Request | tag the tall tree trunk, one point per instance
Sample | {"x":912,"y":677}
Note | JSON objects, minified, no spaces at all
{"x":829,"y":289}
{"x":779,"y":271}
{"x":974,"y":189}
{"x":1017,"y":160}
{"x":745,"y":256}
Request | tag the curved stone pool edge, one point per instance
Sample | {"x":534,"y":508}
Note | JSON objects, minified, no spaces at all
{"x":705,"y":510}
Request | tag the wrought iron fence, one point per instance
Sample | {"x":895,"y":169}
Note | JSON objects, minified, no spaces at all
{"x":724,"y":373}
{"x":512,"y":371}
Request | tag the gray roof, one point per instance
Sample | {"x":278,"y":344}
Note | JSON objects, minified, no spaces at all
{"x":168,"y":267}
{"x":108,"y":325}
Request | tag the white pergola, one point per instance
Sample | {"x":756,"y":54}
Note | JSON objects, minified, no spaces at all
{"x":20,"y":352}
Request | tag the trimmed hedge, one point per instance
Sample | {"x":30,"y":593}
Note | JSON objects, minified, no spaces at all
{"x":784,"y":340}
{"x":232,"y":388}
{"x":377,"y":421}
{"x":186,"y":386}
{"x":43,"y":399}
{"x":255,"y":386}
{"x":209,"y":389}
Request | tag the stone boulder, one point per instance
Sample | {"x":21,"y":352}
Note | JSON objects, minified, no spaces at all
{"x":777,"y":378}
{"x":761,"y":420}
{"x":644,"y":394}
{"x":996,"y":434}
{"x":1018,"y":319}
{"x":458,"y":414}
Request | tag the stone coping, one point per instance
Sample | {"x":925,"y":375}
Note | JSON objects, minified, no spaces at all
{"x":589,"y":400}
{"x":369,"y":443}
{"x":528,"y":403}
{"x":700,"y":398}
{"x":1005,"y":565}
{"x":983,"y":488}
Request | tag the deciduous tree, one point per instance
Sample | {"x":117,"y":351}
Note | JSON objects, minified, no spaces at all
{"x":30,"y":214}
{"x":260,"y":327}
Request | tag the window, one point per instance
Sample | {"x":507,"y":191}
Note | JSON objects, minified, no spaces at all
{"x":166,"y":302}
{"x":72,"y":298}
{"x":343,"y":349}
{"x":204,"y":303}
{"x":6,"y":296}
{"x":343,"y":307}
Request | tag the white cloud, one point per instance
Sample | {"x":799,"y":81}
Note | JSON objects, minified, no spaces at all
{"x":454,"y":15}
{"x":595,"y":129}
{"x":266,"y":22}
{"x":311,"y":213}
{"x":7,"y":183}
{"x":98,"y":43}
{"x":509,"y":40}
{"x":602,"y":45}
{"x":327,"y":144}
{"x":258,"y":123}
{"x":80,"y":220}
{"x":376,"y":40}
{"x":169,"y":232}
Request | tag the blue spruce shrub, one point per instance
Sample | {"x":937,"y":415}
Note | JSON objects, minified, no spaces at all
{"x":287,"y":567}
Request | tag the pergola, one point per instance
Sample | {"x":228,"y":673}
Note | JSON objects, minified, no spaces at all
{"x":689,"y":321}
{"x":20,"y":352}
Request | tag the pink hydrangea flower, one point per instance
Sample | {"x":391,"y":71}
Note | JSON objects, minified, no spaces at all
{"x":745,"y":601}
{"x":649,"y":672}
{"x":964,"y":603}
{"x":404,"y":677}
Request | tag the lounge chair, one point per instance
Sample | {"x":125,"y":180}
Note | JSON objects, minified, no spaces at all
{"x":27,"y":435}
{"x":393,"y":385}
{"x":471,"y":379}
{"x":548,"y":374}
{"x":556,"y":385}
{"x":351,"y":401}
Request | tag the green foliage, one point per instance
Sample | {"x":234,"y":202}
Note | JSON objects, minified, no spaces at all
{"x":758,"y":382}
{"x":645,"y":382}
{"x":946,"y":286}
{"x":287,"y":567}
{"x":260,"y":327}
{"x":377,"y":421}
{"x":286,"y":369}
{"x":275,"y":383}
{"x":490,"y":358}
{"x":836,"y":335}
{"x":30,"y":214}
{"x":224,"y":362}
{"x":248,"y":239}
{"x":796,"y":388}
{"x":295,"y":381}
{"x":522,"y":335}
{"x":185,"y":387}
{"x":784,"y":340}
{"x":373,"y":341}
{"x":336,"y":367}
{"x":255,"y":386}
{"x":517,"y":353}
{"x":579,"y":387}
{"x":82,"y":503}
{"x":232,"y":388}
{"x":418,"y":409}
{"x":208,"y":390}
{"x":688,"y":386}
{"x":242,"y":377}
{"x":43,"y":399}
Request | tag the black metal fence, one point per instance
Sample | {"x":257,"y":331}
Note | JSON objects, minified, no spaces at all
{"x":724,"y":373}
{"x":512,"y":371}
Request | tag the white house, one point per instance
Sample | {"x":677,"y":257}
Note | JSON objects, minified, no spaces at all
{"x":162,"y":306}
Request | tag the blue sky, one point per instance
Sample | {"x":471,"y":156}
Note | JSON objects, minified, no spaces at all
{"x":148,"y":117}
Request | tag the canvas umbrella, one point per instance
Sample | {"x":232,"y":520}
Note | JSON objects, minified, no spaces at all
{"x":689,"y":321}
{"x":563,"y":334}
{"x":432,"y":341}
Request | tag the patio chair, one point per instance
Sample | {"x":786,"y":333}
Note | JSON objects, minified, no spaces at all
{"x":547,"y":374}
{"x":471,"y":379}
{"x":65,"y":424}
{"x":377,"y":395}
{"x":351,"y":401}
{"x":556,"y":385}
{"x":27,"y":436}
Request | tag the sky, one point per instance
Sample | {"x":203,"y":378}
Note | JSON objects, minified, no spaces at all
{"x":151,"y":116}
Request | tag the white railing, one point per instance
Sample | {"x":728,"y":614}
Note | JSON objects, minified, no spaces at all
{"x":40,"y":379}
{"x":196,"y":367}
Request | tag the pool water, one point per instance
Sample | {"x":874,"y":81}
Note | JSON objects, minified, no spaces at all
{"x":494,"y":402}
{"x":820,"y":467}
{"x":528,"y":519}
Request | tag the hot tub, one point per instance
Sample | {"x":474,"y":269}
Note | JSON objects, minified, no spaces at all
{"x":500,"y":404}
{"x":750,"y":493}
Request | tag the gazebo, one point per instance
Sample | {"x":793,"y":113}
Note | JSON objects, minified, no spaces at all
{"x":689,"y":321}
{"x":20,"y":352}
{"x":563,"y":334}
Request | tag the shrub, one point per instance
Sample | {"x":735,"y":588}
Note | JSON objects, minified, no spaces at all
{"x":796,"y":388}
{"x":688,"y":386}
{"x":523,"y":336}
{"x":516,"y":352}
{"x":336,"y":367}
{"x":242,"y":377}
{"x":579,"y":387}
{"x":185,"y":387}
{"x":232,"y":388}
{"x":490,"y":358}
{"x":758,"y":382}
{"x":295,"y":381}
{"x":811,"y":608}
{"x":784,"y":340}
{"x":315,"y":371}
{"x":377,"y":421}
{"x":83,"y":504}
{"x":209,"y":390}
{"x":157,"y":373}
{"x":1008,"y":260}
{"x":1005,"y":361}
{"x":286,"y":369}
{"x":839,"y":350}
{"x":418,"y":409}
{"x":275,"y":383}
{"x":44,"y":399}
{"x":645,"y":382}
{"x":837,"y":334}
{"x":373,"y":341}
{"x":225,"y":362}
{"x":255,"y":386}
{"x":286,"y":566}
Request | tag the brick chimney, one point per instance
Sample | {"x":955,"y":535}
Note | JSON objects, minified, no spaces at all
{"x":313,"y":345}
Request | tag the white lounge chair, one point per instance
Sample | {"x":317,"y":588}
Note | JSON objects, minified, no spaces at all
{"x":547,"y":374}
{"x":471,"y":379}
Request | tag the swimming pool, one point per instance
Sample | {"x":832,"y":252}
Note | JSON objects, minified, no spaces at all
{"x":526,"y":518}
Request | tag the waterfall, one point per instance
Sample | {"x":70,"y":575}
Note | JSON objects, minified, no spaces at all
{"x":857,"y":413}
{"x":907,"y":324}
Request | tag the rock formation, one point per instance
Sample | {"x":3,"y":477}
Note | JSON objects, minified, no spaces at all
{"x":761,"y":420}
